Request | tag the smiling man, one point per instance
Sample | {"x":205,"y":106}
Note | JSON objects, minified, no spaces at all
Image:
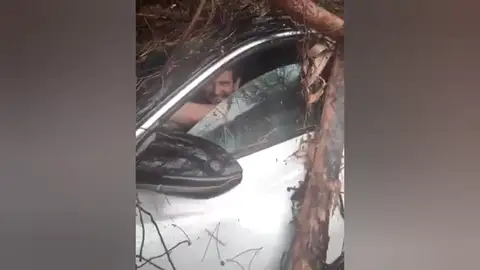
{"x":214,"y":93}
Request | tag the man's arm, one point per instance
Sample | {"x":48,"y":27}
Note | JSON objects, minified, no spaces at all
{"x":191,"y":113}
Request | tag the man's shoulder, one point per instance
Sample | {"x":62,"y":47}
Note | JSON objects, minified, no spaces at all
{"x":200,"y":99}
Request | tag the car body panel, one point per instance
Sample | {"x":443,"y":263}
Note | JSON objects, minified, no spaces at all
{"x":254,"y":216}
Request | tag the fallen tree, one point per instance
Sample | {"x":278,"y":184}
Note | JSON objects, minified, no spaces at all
{"x":312,"y":15}
{"x":167,"y":26}
{"x":322,"y":185}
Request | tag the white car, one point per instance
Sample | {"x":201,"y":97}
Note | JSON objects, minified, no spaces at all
{"x":219,"y":196}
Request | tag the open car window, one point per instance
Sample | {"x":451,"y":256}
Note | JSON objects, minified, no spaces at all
{"x":266,"y":110}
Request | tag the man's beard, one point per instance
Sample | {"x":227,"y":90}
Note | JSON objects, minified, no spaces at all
{"x":217,"y":100}
{"x":214,"y":99}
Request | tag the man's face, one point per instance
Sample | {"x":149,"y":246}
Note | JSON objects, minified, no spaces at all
{"x":222,"y":87}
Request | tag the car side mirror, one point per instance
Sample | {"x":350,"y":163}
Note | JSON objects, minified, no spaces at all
{"x":180,"y":164}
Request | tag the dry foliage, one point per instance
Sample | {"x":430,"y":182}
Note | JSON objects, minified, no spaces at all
{"x":164,"y":25}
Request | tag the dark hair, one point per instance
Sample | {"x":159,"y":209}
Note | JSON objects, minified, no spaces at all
{"x":236,"y":72}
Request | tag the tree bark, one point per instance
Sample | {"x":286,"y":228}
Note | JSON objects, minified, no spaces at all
{"x":314,"y":16}
{"x":312,"y":238}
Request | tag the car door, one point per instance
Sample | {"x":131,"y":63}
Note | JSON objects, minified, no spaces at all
{"x":263,"y":125}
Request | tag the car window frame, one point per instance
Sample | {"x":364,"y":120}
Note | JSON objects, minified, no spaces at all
{"x":162,"y":111}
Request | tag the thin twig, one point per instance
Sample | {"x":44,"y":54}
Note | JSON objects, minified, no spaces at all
{"x":212,"y":12}
{"x":208,"y":244}
{"x":253,"y":257}
{"x":214,"y":237}
{"x":142,"y":244}
{"x":245,"y":251}
{"x":152,"y":219}
{"x":233,"y":259}
{"x":194,"y":21}
{"x":186,"y":235}
{"x":149,"y":260}
{"x":236,"y":262}
{"x":186,"y":33}
{"x":216,"y":243}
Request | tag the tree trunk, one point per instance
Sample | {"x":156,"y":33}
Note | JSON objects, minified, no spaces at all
{"x":311,"y":239}
{"x":314,"y":16}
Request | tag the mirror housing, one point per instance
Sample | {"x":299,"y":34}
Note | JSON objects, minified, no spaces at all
{"x":180,"y":164}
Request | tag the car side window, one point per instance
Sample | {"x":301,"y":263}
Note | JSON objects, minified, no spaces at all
{"x":266,"y":110}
